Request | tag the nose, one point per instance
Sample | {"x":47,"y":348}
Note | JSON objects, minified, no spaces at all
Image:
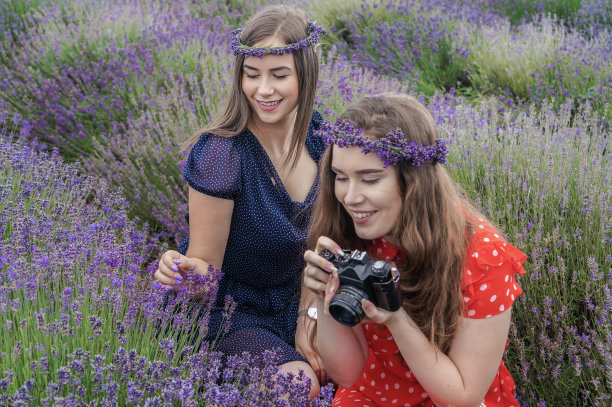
{"x":265,"y":87}
{"x":353,"y":195}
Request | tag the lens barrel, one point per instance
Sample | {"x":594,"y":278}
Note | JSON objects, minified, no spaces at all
{"x":345,"y":307}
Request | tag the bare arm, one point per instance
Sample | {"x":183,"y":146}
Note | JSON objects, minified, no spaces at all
{"x":342,"y":349}
{"x":305,"y":327}
{"x":462,"y":377}
{"x":209,"y":225}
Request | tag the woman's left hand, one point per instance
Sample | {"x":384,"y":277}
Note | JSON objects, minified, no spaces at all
{"x":376,"y":314}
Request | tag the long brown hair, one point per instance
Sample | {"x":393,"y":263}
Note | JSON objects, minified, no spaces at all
{"x":433,"y":228}
{"x":290,"y":25}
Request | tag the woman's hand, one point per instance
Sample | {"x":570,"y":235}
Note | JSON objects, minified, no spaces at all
{"x":172,"y":267}
{"x":317,"y":270}
{"x":378,"y":315}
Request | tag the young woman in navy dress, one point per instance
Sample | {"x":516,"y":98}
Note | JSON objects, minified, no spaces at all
{"x":253,"y":180}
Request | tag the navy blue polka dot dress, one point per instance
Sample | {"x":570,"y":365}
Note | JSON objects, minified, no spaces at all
{"x":264,"y":255}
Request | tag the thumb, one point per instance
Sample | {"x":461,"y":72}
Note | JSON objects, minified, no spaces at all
{"x":369,"y":309}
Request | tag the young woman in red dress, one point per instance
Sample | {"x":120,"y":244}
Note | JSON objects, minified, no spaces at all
{"x":384,"y":190}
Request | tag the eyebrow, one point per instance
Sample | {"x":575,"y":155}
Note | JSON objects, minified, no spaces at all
{"x":278,"y":68}
{"x":364,"y":171}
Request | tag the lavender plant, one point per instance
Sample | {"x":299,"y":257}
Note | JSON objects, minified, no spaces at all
{"x":405,"y":39}
{"x":121,"y":84}
{"x":13,"y":18}
{"x":542,"y":61}
{"x":519,"y":11}
{"x":82,"y":323}
{"x":544,"y":177}
{"x":81,"y":76}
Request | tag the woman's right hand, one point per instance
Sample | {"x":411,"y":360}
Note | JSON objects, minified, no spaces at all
{"x":172,"y":267}
{"x":317,"y":271}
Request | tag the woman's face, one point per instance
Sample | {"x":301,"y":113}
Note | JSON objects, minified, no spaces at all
{"x":270,"y":84}
{"x":369,"y":193}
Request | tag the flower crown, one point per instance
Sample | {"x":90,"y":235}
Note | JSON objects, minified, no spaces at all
{"x":391,"y":149}
{"x":314,"y":31}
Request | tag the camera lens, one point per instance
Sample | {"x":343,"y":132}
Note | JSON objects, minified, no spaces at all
{"x":345,"y":307}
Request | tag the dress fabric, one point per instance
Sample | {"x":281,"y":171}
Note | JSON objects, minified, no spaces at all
{"x":489,"y":287}
{"x":264,"y":254}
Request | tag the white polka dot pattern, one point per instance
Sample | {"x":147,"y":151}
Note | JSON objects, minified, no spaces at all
{"x":488,"y":288}
{"x":492,"y":290}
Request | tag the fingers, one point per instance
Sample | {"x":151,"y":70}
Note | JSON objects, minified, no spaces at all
{"x":313,"y":259}
{"x":324,"y":242}
{"x":316,"y":272}
{"x":375,"y":314}
{"x":172,"y":268}
{"x":185,"y":264}
{"x":164,"y":279}
{"x":369,"y":309}
{"x":330,"y":290}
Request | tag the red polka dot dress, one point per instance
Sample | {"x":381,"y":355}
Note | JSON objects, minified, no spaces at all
{"x":489,"y":287}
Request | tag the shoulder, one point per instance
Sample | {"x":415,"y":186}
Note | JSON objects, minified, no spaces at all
{"x":210,"y":140}
{"x":316,"y":120}
{"x":489,"y":282}
{"x":314,"y":142}
{"x":487,"y":248}
{"x":214,"y":165}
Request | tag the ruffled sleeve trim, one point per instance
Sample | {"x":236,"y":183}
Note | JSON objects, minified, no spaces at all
{"x":496,"y":254}
{"x":489,"y":285}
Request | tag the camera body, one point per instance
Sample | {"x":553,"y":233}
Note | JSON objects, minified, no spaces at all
{"x":362,"y":277}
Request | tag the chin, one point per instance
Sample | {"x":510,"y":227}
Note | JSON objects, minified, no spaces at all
{"x":367,"y":235}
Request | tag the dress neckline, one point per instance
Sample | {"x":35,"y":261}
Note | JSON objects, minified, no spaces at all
{"x":276,"y":180}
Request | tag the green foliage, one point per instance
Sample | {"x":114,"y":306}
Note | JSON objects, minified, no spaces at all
{"x":543,"y":180}
{"x":519,"y":11}
{"x":396,"y":42}
{"x":15,"y":18}
{"x":503,"y":58}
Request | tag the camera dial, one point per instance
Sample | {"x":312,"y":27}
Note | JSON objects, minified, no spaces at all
{"x":380,"y":268}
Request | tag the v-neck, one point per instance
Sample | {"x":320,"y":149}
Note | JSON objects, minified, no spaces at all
{"x":275,"y":178}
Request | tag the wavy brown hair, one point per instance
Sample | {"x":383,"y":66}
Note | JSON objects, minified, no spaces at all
{"x":433,"y":227}
{"x":290,"y":25}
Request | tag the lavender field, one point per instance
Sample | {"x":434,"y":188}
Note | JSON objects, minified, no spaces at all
{"x":96,"y":97}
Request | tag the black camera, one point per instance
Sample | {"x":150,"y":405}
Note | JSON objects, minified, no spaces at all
{"x":362,"y":277}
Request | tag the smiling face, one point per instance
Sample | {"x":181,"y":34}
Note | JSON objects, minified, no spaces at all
{"x":367,"y":191}
{"x":270,"y":85}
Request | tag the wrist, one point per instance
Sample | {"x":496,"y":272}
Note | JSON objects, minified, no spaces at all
{"x":310,"y":312}
{"x":398,"y":320}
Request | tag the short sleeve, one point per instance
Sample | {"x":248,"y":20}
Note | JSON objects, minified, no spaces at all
{"x":213,"y":167}
{"x":314,"y":143}
{"x":489,"y":285}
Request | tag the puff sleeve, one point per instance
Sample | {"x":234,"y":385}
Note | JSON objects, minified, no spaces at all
{"x":213,"y":167}
{"x":489,"y":284}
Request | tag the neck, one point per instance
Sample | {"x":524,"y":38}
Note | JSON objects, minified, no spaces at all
{"x":276,"y":137}
{"x":392,"y":240}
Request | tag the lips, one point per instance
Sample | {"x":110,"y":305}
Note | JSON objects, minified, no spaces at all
{"x":268,"y":106}
{"x":361,"y":217}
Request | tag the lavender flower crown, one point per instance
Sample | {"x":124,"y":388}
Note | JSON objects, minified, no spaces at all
{"x":391,"y":149}
{"x":314,"y":31}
